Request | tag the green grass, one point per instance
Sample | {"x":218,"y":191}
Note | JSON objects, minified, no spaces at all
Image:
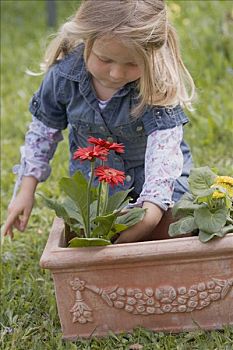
{"x":29,"y":317}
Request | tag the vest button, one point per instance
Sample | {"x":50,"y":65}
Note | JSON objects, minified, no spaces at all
{"x":102,"y":128}
{"x":128,"y":178}
{"x":109,"y":139}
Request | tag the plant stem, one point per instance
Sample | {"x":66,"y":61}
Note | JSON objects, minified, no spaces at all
{"x":99,"y":199}
{"x":99,"y":195}
{"x":105,"y":197}
{"x":229,"y":220}
{"x":89,"y":199}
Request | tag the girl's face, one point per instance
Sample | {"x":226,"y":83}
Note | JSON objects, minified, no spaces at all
{"x":112,"y":64}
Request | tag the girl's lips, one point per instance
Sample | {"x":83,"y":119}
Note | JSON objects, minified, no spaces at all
{"x":115,"y":84}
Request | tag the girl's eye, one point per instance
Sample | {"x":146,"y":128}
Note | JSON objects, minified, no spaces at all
{"x":104,"y":60}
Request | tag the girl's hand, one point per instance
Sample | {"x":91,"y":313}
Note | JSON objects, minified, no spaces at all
{"x":142,"y":230}
{"x":20,"y":208}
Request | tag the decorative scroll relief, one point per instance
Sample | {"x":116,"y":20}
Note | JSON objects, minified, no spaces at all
{"x":149,"y":301}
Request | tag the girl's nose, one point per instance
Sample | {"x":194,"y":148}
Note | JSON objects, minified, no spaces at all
{"x":117,"y":72}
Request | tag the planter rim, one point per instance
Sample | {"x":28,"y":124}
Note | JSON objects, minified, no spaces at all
{"x":187,"y":248}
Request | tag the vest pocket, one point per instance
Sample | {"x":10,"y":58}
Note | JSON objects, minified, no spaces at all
{"x":131,"y":131}
{"x":85,"y":130}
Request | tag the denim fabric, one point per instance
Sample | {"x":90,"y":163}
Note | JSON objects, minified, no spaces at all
{"x":66,"y":98}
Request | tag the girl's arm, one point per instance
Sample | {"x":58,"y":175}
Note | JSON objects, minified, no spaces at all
{"x":40,"y":145}
{"x":163,"y":165}
{"x":143,"y":228}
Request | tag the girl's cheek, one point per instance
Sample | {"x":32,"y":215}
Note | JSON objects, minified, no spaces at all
{"x":137,"y":74}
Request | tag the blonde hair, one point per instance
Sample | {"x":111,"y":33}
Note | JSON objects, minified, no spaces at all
{"x":142,"y":24}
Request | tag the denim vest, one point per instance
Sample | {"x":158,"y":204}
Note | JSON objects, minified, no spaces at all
{"x":66,"y":98}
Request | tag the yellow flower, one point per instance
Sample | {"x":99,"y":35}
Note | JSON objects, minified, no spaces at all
{"x":224,"y":180}
{"x":218,"y":195}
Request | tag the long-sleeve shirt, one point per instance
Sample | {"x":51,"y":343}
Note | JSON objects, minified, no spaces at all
{"x":163,"y":160}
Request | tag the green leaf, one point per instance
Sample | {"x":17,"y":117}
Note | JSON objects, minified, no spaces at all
{"x":87,"y":242}
{"x":205,"y":236}
{"x":184,"y":206}
{"x":103,"y":197}
{"x":116,"y":228}
{"x":210,"y":222}
{"x":229,"y":220}
{"x":67,"y":211}
{"x":183,"y":226}
{"x":72,"y":210}
{"x":227,"y":229}
{"x":132,"y":217}
{"x":76,"y":188}
{"x":228,"y":202}
{"x":205,"y":196}
{"x":117,"y":200}
{"x":93,"y":210}
{"x":54,"y":205}
{"x":119,"y":228}
{"x":77,"y":228}
{"x":116,"y":222}
{"x":104,"y":223}
{"x":200,"y":179}
{"x":62,"y":210}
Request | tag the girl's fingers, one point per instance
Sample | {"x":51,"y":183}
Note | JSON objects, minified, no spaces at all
{"x":10,"y":222}
{"x":7,"y":229}
{"x":23,"y":222}
{"x":10,"y":233}
{"x":17,"y":223}
{"x":20,"y":222}
{"x":7,"y":226}
{"x":24,"y":218}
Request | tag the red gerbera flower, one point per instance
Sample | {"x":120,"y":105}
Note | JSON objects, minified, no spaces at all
{"x":91,"y":153}
{"x":117,"y":147}
{"x":110,"y":175}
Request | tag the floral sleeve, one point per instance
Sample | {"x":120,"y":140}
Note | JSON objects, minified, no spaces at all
{"x":163,"y":165}
{"x":38,"y":149}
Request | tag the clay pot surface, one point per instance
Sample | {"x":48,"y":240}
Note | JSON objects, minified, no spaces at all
{"x":168,"y":285}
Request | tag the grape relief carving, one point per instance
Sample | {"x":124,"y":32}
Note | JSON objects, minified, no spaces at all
{"x":149,"y":301}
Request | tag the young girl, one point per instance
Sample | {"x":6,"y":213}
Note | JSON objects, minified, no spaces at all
{"x":114,"y":71}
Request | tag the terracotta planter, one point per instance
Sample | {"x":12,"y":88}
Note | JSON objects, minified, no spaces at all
{"x":168,"y":285}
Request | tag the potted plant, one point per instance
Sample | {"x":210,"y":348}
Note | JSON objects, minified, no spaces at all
{"x":168,"y":285}
{"x":93,"y":216}
{"x":207,"y":209}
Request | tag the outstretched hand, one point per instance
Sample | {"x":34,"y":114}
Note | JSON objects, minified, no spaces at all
{"x":20,"y":208}
{"x":19,"y":212}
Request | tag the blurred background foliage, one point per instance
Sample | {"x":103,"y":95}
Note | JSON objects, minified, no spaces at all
{"x":30,"y":320}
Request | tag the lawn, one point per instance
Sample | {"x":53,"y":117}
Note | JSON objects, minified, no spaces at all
{"x":29,"y":319}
